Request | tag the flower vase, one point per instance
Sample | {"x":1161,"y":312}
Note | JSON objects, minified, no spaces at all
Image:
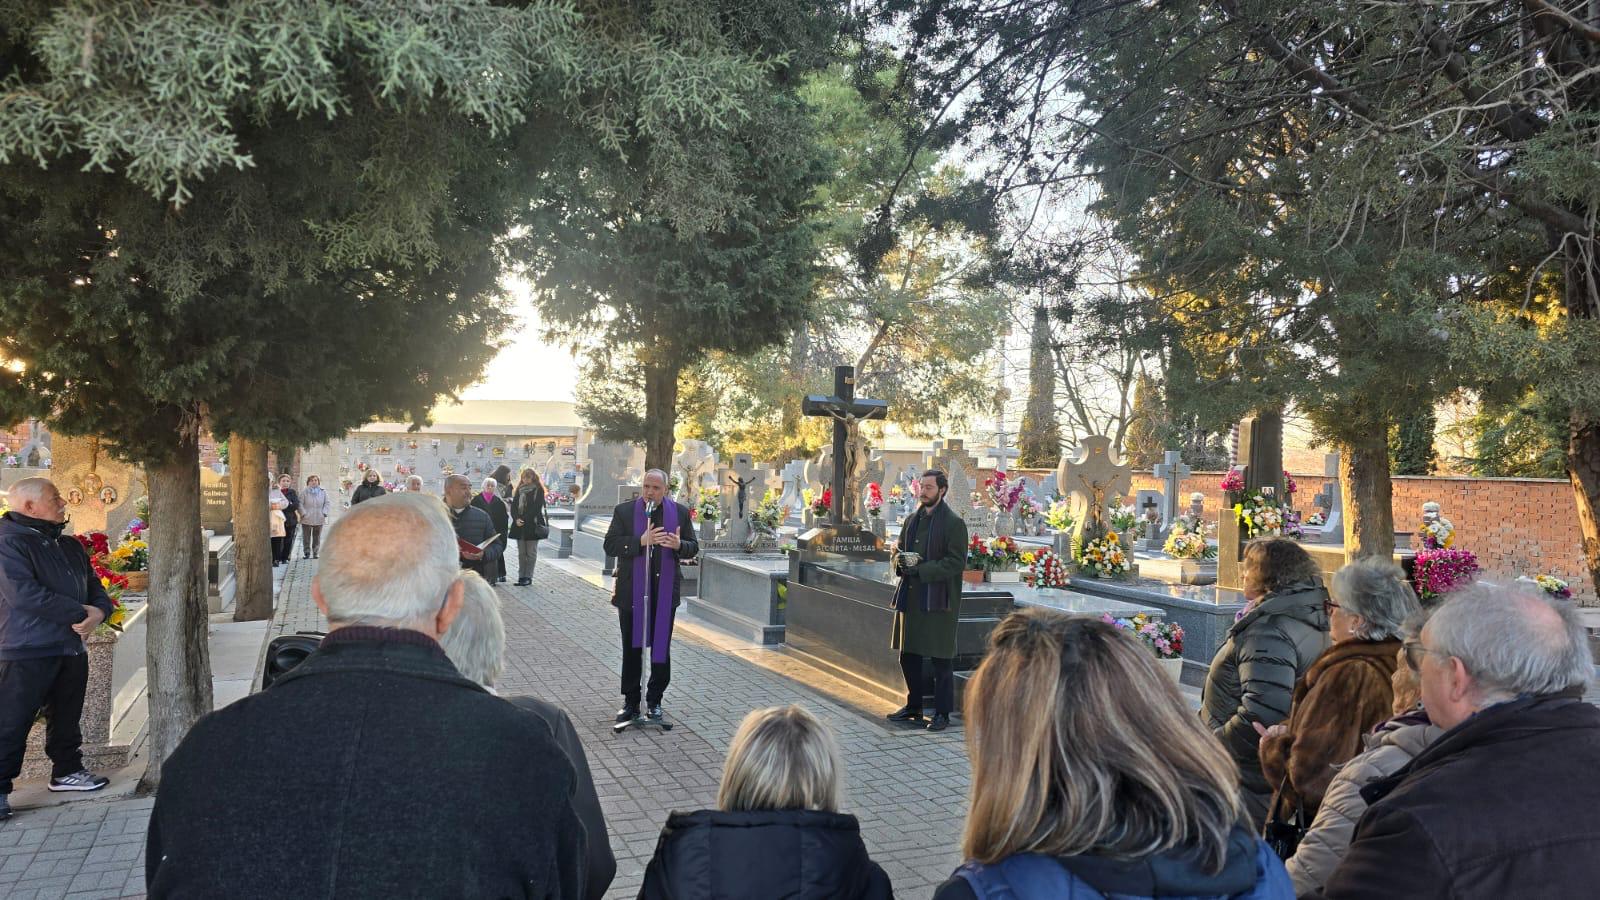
{"x":1004,"y":524}
{"x":708,"y":531}
{"x":807,"y":520}
{"x":138,"y":582}
{"x":1061,"y":543}
{"x":1173,"y":667}
{"x":1005,"y":576}
{"x":972,"y":576}
{"x":875,"y":525}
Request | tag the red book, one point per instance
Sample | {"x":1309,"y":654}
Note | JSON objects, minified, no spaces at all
{"x":467,"y":547}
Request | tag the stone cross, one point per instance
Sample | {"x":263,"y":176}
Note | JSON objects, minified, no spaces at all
{"x":952,"y":458}
{"x":1091,"y":479}
{"x":697,"y":463}
{"x":794,"y":475}
{"x":1148,"y":506}
{"x":1000,"y":452}
{"x":609,"y":464}
{"x":1172,"y":471}
{"x":846,"y":410}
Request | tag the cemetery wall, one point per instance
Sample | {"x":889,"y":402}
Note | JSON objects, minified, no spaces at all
{"x":1516,"y":526}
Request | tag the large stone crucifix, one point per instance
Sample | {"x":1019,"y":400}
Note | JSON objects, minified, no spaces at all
{"x":1091,"y":479}
{"x":847,"y":412}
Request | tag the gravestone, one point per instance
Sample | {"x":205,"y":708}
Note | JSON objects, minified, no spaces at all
{"x":1261,"y":449}
{"x":1330,"y":504}
{"x":961,"y":469}
{"x":216,"y":503}
{"x":818,"y":473}
{"x":741,"y":492}
{"x":1172,"y":471}
{"x":1001,"y":452}
{"x":1147,"y":505}
{"x":1091,"y":479}
{"x":101,"y":492}
{"x":794,"y":481}
{"x":609,"y":464}
{"x":696,"y":464}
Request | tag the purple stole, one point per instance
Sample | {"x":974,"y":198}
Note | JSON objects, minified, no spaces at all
{"x":659,"y":635}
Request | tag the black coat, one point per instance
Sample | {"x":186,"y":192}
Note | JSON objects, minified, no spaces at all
{"x":499,"y":515}
{"x":601,"y":864}
{"x":291,"y":513}
{"x":45,"y":583}
{"x":1503,"y":805}
{"x":528,"y":506}
{"x":474,"y":526}
{"x":795,"y":854}
{"x":366,"y":491}
{"x":623,"y":543}
{"x":372,"y":769}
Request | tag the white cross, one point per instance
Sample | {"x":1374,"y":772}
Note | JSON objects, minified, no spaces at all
{"x":1001,"y":453}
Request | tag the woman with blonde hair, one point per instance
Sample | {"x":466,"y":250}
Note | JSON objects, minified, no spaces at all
{"x":1283,"y":630}
{"x":777,"y":831}
{"x":1090,"y":777}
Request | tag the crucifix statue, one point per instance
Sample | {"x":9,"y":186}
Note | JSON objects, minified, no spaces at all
{"x":742,"y":484}
{"x":847,"y":412}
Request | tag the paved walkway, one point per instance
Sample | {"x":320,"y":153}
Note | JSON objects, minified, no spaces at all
{"x":907,"y":787}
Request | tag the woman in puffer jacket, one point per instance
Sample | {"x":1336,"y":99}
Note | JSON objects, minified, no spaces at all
{"x":776,"y":831}
{"x":1389,"y":748}
{"x":1252,"y":677}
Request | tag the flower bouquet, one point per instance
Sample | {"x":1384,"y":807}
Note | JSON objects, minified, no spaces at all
{"x":1059,"y":516}
{"x":1005,"y":556}
{"x":823,"y":505}
{"x":1438,"y":572}
{"x":1436,"y":534}
{"x":874,"y":500}
{"x":1258,"y":515}
{"x":1187,"y":540}
{"x":1003,"y":493}
{"x":768,"y":515}
{"x":1316,"y":519}
{"x":1232,"y":482}
{"x":1125,"y":520}
{"x":1553,"y":586}
{"x":1289,"y":486}
{"x":979,"y":560}
{"x":1042,"y":568}
{"x":710,"y":507}
{"x":1165,"y":639}
{"x":1104,"y":557}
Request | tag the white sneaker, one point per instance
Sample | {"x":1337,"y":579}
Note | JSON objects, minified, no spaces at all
{"x":81,"y":780}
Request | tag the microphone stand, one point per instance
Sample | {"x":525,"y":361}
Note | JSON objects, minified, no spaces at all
{"x":649,"y":581}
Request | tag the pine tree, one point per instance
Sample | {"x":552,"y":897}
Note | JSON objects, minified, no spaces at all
{"x":1040,"y":441}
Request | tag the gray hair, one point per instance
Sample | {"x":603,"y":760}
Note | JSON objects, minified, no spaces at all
{"x":27,"y":489}
{"x":476,"y":641}
{"x":1375,"y":589}
{"x":389,"y":561}
{"x":416,"y":480}
{"x":457,"y":476}
{"x":490,"y":485}
{"x":658,"y":473}
{"x":1513,"y":641}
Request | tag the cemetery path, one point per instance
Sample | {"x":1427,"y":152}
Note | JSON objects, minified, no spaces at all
{"x":908,"y":788}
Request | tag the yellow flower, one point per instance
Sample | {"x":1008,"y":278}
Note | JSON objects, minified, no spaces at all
{"x":117,"y":616}
{"x":105,"y":582}
{"x":1111,"y":536}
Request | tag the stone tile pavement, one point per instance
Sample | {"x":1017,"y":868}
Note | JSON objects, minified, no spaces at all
{"x":907,"y":787}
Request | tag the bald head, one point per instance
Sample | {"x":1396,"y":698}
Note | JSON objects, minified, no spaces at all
{"x":37,"y":498}
{"x":390,"y":561}
{"x":457,"y":491}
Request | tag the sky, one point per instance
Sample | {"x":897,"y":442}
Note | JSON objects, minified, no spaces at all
{"x":527,"y":368}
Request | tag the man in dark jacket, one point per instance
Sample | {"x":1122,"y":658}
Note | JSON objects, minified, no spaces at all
{"x":372,"y":769}
{"x":928,"y":603}
{"x":490,"y":501}
{"x":1502,"y":804}
{"x":472,"y":525}
{"x":50,"y":600}
{"x":650,"y":536}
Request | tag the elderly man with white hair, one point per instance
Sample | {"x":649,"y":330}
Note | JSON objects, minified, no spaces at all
{"x":476,"y":643}
{"x":1503,"y":803}
{"x":50,"y":600}
{"x":373,"y":768}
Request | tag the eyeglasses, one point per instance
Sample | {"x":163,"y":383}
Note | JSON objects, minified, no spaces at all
{"x":1328,"y":606}
{"x":1415,"y":651}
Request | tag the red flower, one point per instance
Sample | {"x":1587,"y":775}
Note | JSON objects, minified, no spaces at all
{"x":100,"y":542}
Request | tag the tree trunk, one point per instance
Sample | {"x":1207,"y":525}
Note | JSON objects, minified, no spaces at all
{"x":177,"y":658}
{"x":1040,"y":440}
{"x":1581,"y":293}
{"x":660,"y":414}
{"x":252,"y":530}
{"x":1368,"y":496}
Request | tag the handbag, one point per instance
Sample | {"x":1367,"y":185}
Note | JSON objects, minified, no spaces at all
{"x":1284,"y":836}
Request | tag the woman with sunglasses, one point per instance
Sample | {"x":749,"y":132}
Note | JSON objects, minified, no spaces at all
{"x":1389,"y":748}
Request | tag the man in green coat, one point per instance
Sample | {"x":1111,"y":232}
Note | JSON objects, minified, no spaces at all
{"x":932,"y":554}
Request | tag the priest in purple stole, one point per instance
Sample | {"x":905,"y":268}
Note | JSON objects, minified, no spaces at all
{"x":649,"y":536}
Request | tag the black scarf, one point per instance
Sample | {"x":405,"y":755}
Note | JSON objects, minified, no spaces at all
{"x":933,"y":597}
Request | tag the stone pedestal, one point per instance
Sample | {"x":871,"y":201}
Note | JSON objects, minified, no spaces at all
{"x":1179,"y":571}
{"x":99,"y":754}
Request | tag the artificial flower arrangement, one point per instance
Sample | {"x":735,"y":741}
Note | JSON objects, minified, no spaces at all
{"x":1125,"y":520}
{"x":1289,"y":485}
{"x":1233,"y":481}
{"x":1059,"y":516}
{"x":1258,"y":515}
{"x":1165,"y":639}
{"x":896,"y":493}
{"x":1003,"y":493}
{"x":710,"y":507}
{"x":1043,"y":568}
{"x":132,"y":555}
{"x":1436,"y":534}
{"x":96,"y":544}
{"x":1028,"y":509}
{"x":874,"y":500}
{"x":1187,"y":540}
{"x":1553,"y":586}
{"x":767,"y":515}
{"x":1104,"y":556}
{"x":1291,"y":524}
{"x":1005,"y":552}
{"x":823,"y":505}
{"x":1317,"y":519}
{"x":1440,"y":571}
{"x":978,"y":556}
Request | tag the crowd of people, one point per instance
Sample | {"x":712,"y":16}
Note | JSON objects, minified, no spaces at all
{"x":1351,"y":743}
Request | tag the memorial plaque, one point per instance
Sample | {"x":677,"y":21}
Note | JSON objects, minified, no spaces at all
{"x":216,"y":503}
{"x":845,"y":540}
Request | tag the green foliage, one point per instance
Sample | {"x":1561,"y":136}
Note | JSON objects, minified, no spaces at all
{"x":1526,"y":438}
{"x":1039,"y":441}
{"x":1411,"y":443}
{"x":1143,"y":445}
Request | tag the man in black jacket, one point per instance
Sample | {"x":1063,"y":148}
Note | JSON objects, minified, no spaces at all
{"x":372,"y":769}
{"x":1502,"y":804}
{"x":472,"y":525}
{"x":50,"y":600}
{"x":649,"y":536}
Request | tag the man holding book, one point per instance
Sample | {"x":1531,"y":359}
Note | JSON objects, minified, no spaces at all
{"x":475,"y":533}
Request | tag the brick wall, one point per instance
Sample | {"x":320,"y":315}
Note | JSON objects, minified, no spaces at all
{"x":1516,"y":526}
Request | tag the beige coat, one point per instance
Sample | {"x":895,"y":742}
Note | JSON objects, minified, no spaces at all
{"x":1320,"y":851}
